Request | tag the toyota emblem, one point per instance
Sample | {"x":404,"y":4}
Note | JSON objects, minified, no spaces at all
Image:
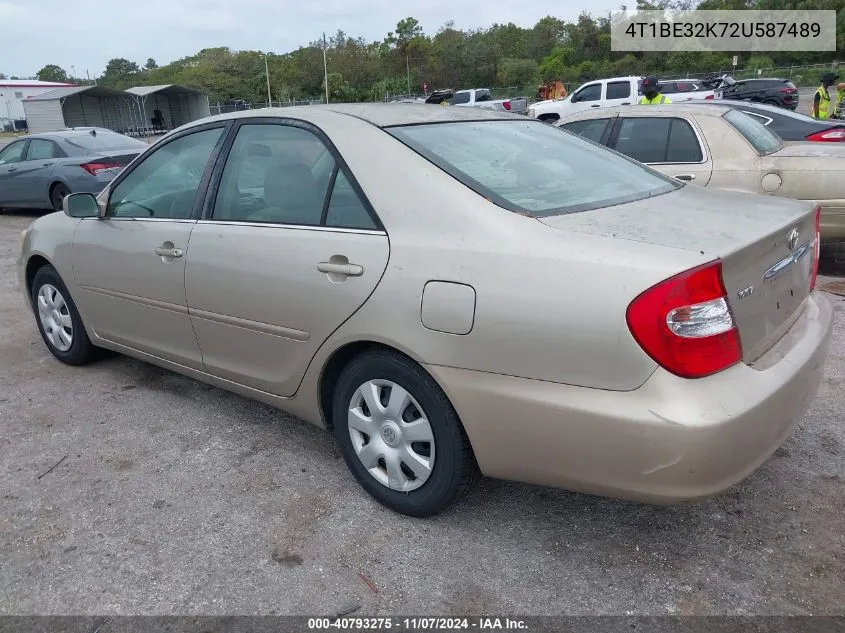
{"x":792,"y":239}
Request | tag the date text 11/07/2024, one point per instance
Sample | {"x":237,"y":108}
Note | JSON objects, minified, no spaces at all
{"x":417,"y":624}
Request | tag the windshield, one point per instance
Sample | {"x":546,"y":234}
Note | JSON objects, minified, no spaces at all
{"x":530,"y":167}
{"x":104,"y":141}
{"x":762,"y":138}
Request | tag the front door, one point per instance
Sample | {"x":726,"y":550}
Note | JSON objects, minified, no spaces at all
{"x":11,"y":181}
{"x":130,"y":265}
{"x":670,"y":145}
{"x":586,"y":97}
{"x":288,"y":252}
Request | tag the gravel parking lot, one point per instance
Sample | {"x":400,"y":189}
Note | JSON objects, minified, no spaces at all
{"x":172,"y":497}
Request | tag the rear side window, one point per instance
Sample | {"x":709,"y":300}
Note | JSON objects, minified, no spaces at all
{"x":659,"y":140}
{"x":618,"y":89}
{"x":761,"y":138}
{"x":592,"y":129}
{"x":530,"y":167}
{"x":40,"y":149}
{"x":668,"y":88}
{"x":460,"y":97}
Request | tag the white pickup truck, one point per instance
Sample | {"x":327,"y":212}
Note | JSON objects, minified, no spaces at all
{"x":478,"y":98}
{"x":603,"y":93}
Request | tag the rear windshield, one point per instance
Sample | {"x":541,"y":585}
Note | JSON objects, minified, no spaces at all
{"x":530,"y":167}
{"x":762,"y":138}
{"x":104,"y":141}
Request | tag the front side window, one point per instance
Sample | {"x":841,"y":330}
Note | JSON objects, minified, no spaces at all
{"x":39,"y":149}
{"x":588,"y":93}
{"x":530,"y":167}
{"x":12,"y":153}
{"x":761,"y":138}
{"x":592,"y":129}
{"x":619,"y":90}
{"x":165,"y":183}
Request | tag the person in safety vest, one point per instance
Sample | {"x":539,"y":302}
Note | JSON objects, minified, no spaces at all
{"x":651,"y":93}
{"x":839,"y":109}
{"x":821,"y":100}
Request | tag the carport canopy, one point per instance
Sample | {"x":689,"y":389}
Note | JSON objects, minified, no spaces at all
{"x":81,"y":106}
{"x":170,"y":106}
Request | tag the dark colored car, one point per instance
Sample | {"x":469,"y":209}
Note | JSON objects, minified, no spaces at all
{"x":790,"y":126}
{"x":39,"y":170}
{"x":776,"y":92}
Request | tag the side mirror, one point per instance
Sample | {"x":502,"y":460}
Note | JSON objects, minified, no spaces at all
{"x":575,"y":98}
{"x":81,"y":205}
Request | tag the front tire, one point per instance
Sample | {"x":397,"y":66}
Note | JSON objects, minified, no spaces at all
{"x":58,"y":319}
{"x":400,"y":435}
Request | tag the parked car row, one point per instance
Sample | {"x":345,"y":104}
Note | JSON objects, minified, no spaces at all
{"x":39,"y":170}
{"x":603,"y":93}
{"x":455,"y":291}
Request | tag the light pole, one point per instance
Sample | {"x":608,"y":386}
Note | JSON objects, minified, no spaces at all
{"x":73,"y":70}
{"x":267,"y":73}
{"x":325,"y":68}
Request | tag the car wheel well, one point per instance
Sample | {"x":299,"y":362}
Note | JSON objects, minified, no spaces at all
{"x":549,"y":117}
{"x":334,"y":367}
{"x":35,"y":263}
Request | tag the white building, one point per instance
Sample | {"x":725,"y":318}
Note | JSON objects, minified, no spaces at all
{"x":13,"y":92}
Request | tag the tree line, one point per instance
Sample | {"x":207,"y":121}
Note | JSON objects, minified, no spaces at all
{"x":503,"y":56}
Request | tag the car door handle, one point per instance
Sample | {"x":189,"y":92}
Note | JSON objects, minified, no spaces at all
{"x":626,"y":103}
{"x":163,"y":251}
{"x":11,"y":169}
{"x":595,"y":106}
{"x":686,"y":177}
{"x":46,"y":164}
{"x":346,"y":270}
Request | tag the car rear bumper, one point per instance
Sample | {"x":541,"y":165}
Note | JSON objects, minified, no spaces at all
{"x":671,"y":440}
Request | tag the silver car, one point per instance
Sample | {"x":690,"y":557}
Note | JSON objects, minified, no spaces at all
{"x":39,"y":170}
{"x":451,"y":290}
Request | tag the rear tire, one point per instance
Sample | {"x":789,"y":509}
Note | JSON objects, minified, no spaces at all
{"x":405,"y":444}
{"x":58,"y":193}
{"x":58,"y":319}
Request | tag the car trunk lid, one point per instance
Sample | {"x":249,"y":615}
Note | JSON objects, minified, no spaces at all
{"x":766,"y":246}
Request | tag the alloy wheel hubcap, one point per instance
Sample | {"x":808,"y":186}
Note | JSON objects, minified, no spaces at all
{"x":55,"y":317}
{"x":391,"y":435}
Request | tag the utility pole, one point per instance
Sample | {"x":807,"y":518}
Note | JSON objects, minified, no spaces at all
{"x":325,"y":68}
{"x":267,"y":72}
{"x":408,"y":70}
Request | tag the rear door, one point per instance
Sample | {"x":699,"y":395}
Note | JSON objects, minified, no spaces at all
{"x":618,"y":93}
{"x":287,"y":250}
{"x":11,"y":181}
{"x":671,"y":145}
{"x":37,"y":169}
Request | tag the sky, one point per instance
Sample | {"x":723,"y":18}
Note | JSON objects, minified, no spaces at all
{"x":85,"y":34}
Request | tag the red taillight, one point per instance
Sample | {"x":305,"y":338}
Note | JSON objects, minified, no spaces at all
{"x":685,"y":324}
{"x":98,"y":168}
{"x":828,"y":136}
{"x":789,"y":91}
{"x":817,"y":250}
{"x":507,"y":105}
{"x":710,"y":97}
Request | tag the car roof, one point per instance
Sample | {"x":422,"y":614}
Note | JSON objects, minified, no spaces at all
{"x":378,"y":114}
{"x":70,"y":133}
{"x":684,"y":107}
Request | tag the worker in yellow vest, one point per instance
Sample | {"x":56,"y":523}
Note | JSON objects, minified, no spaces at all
{"x":839,"y":110}
{"x":821,"y":100}
{"x":651,"y":93}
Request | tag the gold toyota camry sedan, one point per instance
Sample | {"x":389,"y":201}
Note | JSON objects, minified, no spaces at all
{"x":451,"y":292}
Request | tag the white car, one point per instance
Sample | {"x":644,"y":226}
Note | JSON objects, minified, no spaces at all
{"x":617,"y":91}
